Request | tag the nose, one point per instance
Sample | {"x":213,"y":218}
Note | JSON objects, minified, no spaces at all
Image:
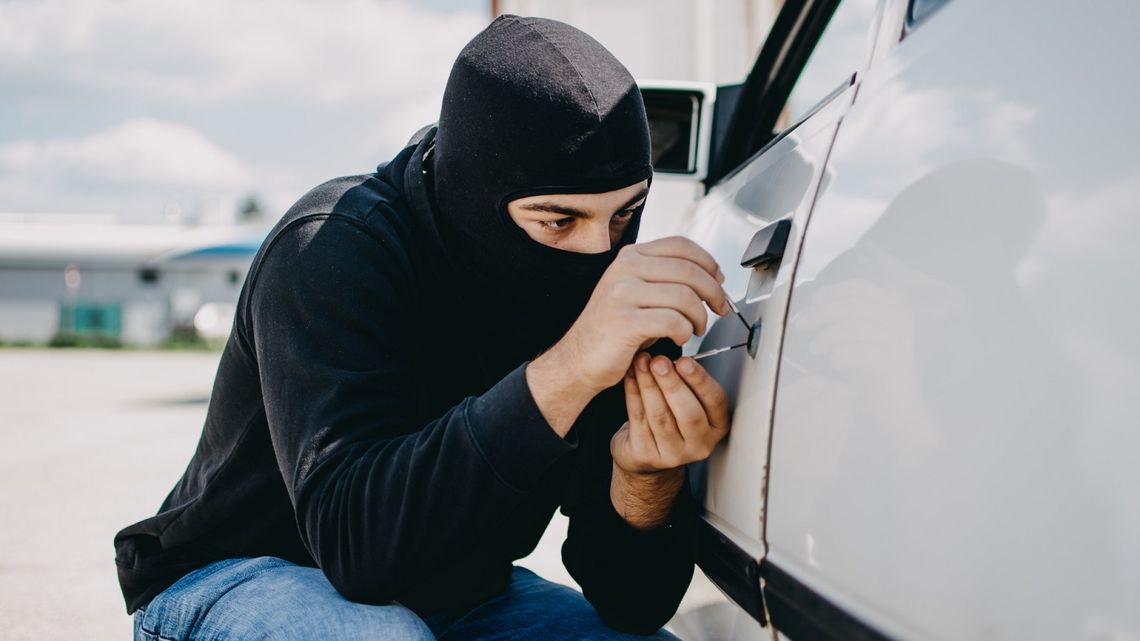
{"x":599,"y":239}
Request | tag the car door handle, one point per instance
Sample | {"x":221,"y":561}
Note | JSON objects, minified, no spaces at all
{"x":767,"y":245}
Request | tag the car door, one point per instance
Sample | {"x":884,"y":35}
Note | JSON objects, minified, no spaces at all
{"x":954,"y":444}
{"x":752,"y":220}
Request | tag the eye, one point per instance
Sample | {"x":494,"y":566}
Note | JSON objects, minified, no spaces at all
{"x":623,"y":215}
{"x":556,"y":225}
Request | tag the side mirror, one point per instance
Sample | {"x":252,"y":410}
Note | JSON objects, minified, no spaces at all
{"x":679,"y":126}
{"x":687,"y":123}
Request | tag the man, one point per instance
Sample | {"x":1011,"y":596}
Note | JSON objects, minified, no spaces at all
{"x":427,"y":361}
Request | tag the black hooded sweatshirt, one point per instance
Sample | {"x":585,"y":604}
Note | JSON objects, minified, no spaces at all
{"x":370,"y":415}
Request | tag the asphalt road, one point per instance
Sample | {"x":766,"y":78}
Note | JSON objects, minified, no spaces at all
{"x":93,"y":440}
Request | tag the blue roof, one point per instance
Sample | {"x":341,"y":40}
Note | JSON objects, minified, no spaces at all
{"x":246,"y":247}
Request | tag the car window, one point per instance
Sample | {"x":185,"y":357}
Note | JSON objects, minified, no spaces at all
{"x":838,"y":54}
{"x":814,"y":46}
{"x":920,"y":9}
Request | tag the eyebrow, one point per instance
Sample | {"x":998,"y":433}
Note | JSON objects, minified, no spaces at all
{"x":555,"y":208}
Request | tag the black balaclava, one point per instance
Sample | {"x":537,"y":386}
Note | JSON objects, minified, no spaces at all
{"x":532,"y":106}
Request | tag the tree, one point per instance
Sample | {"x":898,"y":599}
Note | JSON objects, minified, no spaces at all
{"x":250,"y":210}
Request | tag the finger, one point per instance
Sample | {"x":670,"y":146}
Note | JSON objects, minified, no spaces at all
{"x":681,"y":247}
{"x":629,"y":450}
{"x":658,"y":416}
{"x":641,"y":439}
{"x":659,"y":269}
{"x":688,"y":413}
{"x":673,"y":296}
{"x":658,"y":322}
{"x":633,"y":405}
{"x":708,"y":392}
{"x":620,"y":446}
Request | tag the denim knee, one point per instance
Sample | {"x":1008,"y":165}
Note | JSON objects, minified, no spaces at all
{"x":272,"y":599}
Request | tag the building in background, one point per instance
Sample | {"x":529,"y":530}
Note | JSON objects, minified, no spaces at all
{"x":88,"y":279}
{"x":700,"y":40}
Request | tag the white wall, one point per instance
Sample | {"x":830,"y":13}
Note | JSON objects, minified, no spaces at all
{"x":704,"y":40}
{"x":28,"y":320}
{"x":144,"y":323}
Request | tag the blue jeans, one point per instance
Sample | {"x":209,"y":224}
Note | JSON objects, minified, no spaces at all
{"x":271,"y":599}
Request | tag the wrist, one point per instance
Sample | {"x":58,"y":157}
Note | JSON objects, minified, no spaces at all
{"x":645,"y":499}
{"x":559,"y":391}
{"x":572,"y":358}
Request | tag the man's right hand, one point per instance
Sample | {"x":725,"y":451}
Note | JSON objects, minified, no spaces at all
{"x":651,"y":291}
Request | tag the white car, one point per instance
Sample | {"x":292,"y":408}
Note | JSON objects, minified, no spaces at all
{"x":936,"y":427}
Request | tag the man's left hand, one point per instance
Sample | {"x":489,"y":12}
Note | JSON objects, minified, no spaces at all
{"x":677,"y":415}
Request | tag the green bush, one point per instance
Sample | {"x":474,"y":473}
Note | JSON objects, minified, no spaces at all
{"x":65,"y":339}
{"x":186,"y":338}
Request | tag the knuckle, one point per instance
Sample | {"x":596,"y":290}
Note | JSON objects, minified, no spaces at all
{"x":717,"y":412}
{"x":720,"y":424}
{"x":718,"y":396}
{"x":705,"y":386}
{"x":682,"y":325}
{"x":706,"y":450}
{"x":693,"y":422}
{"x":692,"y":298}
{"x":624,"y":259}
{"x":697,"y":421}
{"x":710,"y":283}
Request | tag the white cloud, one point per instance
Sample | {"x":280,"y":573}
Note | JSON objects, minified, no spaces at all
{"x":139,"y":166}
{"x":203,"y":51}
{"x":291,"y":93}
{"x":141,"y":151}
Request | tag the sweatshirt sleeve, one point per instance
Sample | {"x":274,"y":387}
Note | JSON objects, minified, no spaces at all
{"x":381,"y":500}
{"x":634,"y":579}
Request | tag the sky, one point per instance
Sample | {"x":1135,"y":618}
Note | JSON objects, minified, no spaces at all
{"x":163,"y":109}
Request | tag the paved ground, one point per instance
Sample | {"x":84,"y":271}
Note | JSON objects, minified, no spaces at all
{"x":93,"y":440}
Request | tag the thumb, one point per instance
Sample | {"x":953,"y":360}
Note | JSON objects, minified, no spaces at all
{"x":620,"y":441}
